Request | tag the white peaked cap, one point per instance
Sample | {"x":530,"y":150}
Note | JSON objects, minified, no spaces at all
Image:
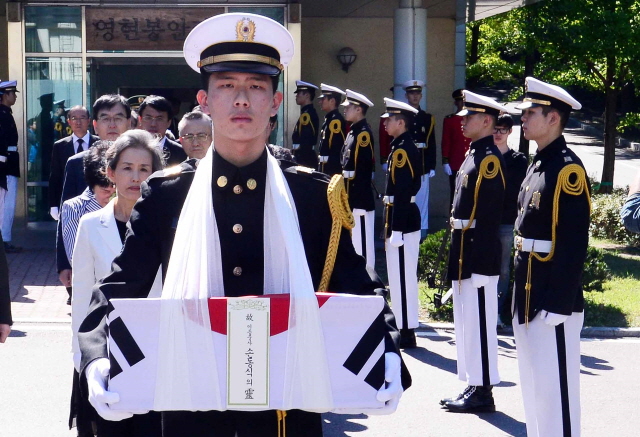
{"x":394,"y":107}
{"x":539,"y":93}
{"x":478,"y":104}
{"x":413,"y":85}
{"x":354,"y":98}
{"x":328,"y":89}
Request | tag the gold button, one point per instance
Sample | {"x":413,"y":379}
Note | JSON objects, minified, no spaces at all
{"x":222,"y":181}
{"x":237,"y":271}
{"x":237,"y":228}
{"x":527,"y":189}
{"x":252,"y":184}
{"x":237,"y":189}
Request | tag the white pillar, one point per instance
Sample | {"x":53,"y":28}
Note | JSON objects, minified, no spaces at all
{"x":459,"y":74}
{"x":410,"y":47}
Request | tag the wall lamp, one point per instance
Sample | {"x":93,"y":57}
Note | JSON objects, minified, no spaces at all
{"x":346,"y":56}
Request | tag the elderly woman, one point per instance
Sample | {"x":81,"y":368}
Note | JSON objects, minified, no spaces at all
{"x":130,"y":160}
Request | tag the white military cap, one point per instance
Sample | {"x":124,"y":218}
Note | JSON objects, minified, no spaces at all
{"x":413,"y":85}
{"x":354,"y":98}
{"x":304,"y":86}
{"x":8,"y":85}
{"x":239,"y":42}
{"x":477,"y":104}
{"x":330,"y":91}
{"x":539,"y":93}
{"x":394,"y":107}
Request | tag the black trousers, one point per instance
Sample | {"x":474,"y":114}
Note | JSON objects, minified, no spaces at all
{"x":140,"y":425}
{"x":247,"y":424}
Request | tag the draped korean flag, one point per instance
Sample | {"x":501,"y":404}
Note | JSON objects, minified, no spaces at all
{"x":249,"y":335}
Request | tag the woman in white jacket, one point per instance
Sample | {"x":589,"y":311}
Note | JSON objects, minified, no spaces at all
{"x":131,"y":159}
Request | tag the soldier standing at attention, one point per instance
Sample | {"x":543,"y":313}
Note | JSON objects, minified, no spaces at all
{"x":424,"y":135}
{"x":358,"y":167}
{"x":305,"y":133}
{"x":474,"y":259}
{"x":454,"y":143}
{"x":332,"y":134}
{"x":552,"y":236}
{"x":402,"y":219}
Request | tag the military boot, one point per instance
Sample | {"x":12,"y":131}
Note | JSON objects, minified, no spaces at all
{"x":457,"y":398}
{"x":478,"y":399}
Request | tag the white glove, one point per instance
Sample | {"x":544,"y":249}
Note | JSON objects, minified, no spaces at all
{"x":296,"y":146}
{"x":479,"y":280}
{"x":323,"y":159}
{"x":76,"y":360}
{"x":553,"y":319}
{"x":97,"y":372}
{"x":54,"y":213}
{"x":447,"y":169}
{"x":385,"y":166}
{"x":432,"y":173}
{"x":359,"y":212}
{"x":396,"y":239}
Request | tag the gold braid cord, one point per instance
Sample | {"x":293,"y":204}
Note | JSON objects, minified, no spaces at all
{"x":305,"y":120}
{"x":489,"y":169}
{"x":574,"y":189}
{"x":363,"y":140}
{"x":335,"y":127}
{"x":399,"y":159}
{"x":341,"y":217}
{"x":282,"y":423}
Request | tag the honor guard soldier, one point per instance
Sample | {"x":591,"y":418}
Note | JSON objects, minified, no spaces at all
{"x":402,"y":219}
{"x":266,"y":226}
{"x":305,"y":133}
{"x":358,"y":165}
{"x":424,"y":135}
{"x":332,"y":134}
{"x":60,"y":125}
{"x":474,"y":258}
{"x":9,"y":162}
{"x":454,"y":144}
{"x":552,"y":235}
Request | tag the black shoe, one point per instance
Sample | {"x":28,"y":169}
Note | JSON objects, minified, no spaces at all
{"x":407,"y":339}
{"x":10,"y":248}
{"x":69,"y":301}
{"x":457,"y":398}
{"x":478,"y":399}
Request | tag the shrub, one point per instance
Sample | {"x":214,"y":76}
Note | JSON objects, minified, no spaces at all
{"x":595,"y":270}
{"x":428,"y":257}
{"x":606,"y":221}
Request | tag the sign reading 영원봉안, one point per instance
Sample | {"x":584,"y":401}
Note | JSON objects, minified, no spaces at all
{"x":117,"y":29}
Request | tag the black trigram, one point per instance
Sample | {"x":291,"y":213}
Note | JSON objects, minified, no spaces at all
{"x":365,"y":349}
{"x":122,"y":337}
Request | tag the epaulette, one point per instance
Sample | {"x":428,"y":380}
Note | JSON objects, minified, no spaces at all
{"x":187,"y":166}
{"x":307,"y":172}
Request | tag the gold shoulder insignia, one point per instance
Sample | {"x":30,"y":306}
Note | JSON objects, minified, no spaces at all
{"x":364,"y":139}
{"x":490,"y":167}
{"x":303,"y":169}
{"x":172,"y":171}
{"x":399,"y":159}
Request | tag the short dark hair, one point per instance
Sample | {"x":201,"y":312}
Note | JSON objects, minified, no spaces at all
{"x":505,"y":120}
{"x":108,"y":101}
{"x":310,"y":91}
{"x":138,"y":139}
{"x":204,"y":77}
{"x":564,"y":115}
{"x":159,"y":103}
{"x":364,"y":109}
{"x":408,"y":119}
{"x":95,"y":165}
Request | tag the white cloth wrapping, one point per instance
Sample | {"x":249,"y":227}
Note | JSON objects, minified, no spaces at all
{"x":194,"y":274}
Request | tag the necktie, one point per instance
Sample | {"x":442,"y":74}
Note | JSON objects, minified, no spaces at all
{"x":80,"y":149}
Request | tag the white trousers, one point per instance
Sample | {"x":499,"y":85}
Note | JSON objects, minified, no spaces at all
{"x":402,"y":269}
{"x":549,"y":364}
{"x":362,"y":235}
{"x":9,"y":207}
{"x":475,"y":314}
{"x":422,"y":200}
{"x":3,"y":196}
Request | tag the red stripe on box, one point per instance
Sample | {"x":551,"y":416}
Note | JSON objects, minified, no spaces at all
{"x":279,"y":311}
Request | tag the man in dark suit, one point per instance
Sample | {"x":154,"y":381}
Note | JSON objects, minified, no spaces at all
{"x":155,"y":115}
{"x":332,"y":134}
{"x":79,"y":141}
{"x":240,"y":96}
{"x":111,"y":114}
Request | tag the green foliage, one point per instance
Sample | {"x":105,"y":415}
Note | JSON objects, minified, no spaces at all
{"x":428,"y":258}
{"x":606,"y":221}
{"x":596,"y":271}
{"x":630,"y":121}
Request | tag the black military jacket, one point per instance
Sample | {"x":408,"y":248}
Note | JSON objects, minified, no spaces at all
{"x":556,"y":285}
{"x":8,"y":138}
{"x":152,"y":229}
{"x":515,"y":169}
{"x":423,"y":132}
{"x":305,"y":134}
{"x":481,"y":249}
{"x":172,"y":152}
{"x":332,"y":138}
{"x":403,"y":182}
{"x":358,"y":157}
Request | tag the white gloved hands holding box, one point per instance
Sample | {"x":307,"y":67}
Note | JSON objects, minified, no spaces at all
{"x":97,"y":373}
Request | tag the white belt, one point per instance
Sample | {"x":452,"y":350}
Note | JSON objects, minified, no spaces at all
{"x":348,"y":174}
{"x":296,"y":146}
{"x":530,"y":245}
{"x":12,"y":148}
{"x":461,"y":224}
{"x":3,"y":159}
{"x":421,"y":145}
{"x":388,"y":200}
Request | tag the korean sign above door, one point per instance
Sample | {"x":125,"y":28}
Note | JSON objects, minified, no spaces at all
{"x":110,"y":29}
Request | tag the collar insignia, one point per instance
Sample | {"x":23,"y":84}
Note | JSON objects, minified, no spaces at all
{"x":535,"y":200}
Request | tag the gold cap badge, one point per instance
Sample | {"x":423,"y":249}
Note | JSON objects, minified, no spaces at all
{"x":245,"y":30}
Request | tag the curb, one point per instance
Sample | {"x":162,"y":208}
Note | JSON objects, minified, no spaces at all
{"x":588,"y":332}
{"x":34,"y":321}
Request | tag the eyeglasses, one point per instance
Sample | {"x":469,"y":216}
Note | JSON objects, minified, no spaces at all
{"x":78,"y":119}
{"x":150,"y":119}
{"x":191,"y":137}
{"x":118,"y":119}
{"x":501,"y":130}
